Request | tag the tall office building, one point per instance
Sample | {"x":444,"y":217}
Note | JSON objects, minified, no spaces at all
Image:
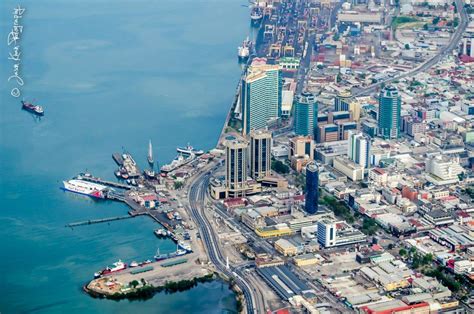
{"x":260,"y":153}
{"x":342,"y":101}
{"x":359,"y":148}
{"x":389,"y":120}
{"x":327,"y":233}
{"x":260,"y":96}
{"x":312,"y":188}
{"x":236,"y":166}
{"x":306,"y":115}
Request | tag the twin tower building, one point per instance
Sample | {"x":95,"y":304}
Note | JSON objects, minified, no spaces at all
{"x":248,"y":158}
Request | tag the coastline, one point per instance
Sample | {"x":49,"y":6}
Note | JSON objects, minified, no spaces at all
{"x":148,"y":291}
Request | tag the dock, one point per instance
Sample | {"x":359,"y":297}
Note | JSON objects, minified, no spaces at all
{"x":117,"y":157}
{"x":96,"y":221}
{"x":104,"y":182}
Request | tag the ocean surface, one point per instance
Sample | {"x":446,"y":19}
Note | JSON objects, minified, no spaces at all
{"x":111,"y":74}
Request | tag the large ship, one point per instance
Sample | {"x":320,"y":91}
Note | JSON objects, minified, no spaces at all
{"x":244,"y":50}
{"x":85,"y":187}
{"x":176,"y":163}
{"x":256,"y":15}
{"x":28,"y":106}
{"x":115,"y":267}
{"x":188,"y":150}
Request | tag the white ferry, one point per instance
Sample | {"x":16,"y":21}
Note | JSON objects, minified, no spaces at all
{"x":85,"y":187}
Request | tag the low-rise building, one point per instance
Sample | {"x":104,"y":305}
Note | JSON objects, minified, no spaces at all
{"x":333,"y":233}
{"x":278,"y":230}
{"x":353,"y":171}
{"x":285,"y":247}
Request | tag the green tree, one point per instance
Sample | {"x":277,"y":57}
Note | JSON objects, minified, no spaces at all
{"x":178,"y":185}
{"x":402,"y":252}
{"x":456,"y":22}
{"x":280,"y":167}
{"x":407,"y":46}
{"x":427,"y":259}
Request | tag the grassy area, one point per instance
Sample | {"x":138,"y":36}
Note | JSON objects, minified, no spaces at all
{"x":399,"y":20}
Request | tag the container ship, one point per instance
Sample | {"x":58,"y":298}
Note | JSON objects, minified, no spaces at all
{"x":28,"y":106}
{"x":115,"y":267}
{"x":84,"y":187}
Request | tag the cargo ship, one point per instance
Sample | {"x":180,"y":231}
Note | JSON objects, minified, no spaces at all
{"x":28,"y":106}
{"x":86,"y":188}
{"x":115,"y":267}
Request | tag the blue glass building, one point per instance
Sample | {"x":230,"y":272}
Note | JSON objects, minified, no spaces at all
{"x":312,"y":190}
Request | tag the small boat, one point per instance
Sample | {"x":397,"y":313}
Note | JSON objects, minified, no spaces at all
{"x":134,"y":264}
{"x":244,"y":50}
{"x":150,"y":153}
{"x":256,"y":15}
{"x":149,"y":173}
{"x":28,"y":106}
{"x":181,"y":252}
{"x":160,"y":233}
{"x":145,"y":262}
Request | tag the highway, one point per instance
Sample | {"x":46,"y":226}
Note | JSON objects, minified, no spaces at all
{"x":196,"y":204}
{"x":455,"y":39}
{"x":268,"y":248}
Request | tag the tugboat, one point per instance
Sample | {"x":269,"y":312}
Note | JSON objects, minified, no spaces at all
{"x":28,"y":106}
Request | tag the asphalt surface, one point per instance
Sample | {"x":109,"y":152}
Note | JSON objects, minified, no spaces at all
{"x":197,"y":195}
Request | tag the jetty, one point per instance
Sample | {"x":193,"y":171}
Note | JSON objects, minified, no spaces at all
{"x":103,"y":182}
{"x":96,"y":221}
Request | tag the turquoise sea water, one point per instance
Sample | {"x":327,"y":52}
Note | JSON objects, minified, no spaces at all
{"x":110,"y":74}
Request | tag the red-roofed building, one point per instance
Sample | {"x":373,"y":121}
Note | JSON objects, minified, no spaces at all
{"x":409,"y":193}
{"x":235,"y":202}
{"x":396,"y":307}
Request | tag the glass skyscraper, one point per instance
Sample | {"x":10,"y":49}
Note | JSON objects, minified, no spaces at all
{"x":312,"y":190}
{"x":306,"y":115}
{"x":236,"y":166}
{"x":390,"y":104}
{"x":359,"y":148}
{"x":260,"y":153}
{"x":260,"y":96}
{"x":342,"y":101}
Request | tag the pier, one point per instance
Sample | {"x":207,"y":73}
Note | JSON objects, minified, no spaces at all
{"x":104,"y":182}
{"x":96,"y":221}
{"x":117,"y":157}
